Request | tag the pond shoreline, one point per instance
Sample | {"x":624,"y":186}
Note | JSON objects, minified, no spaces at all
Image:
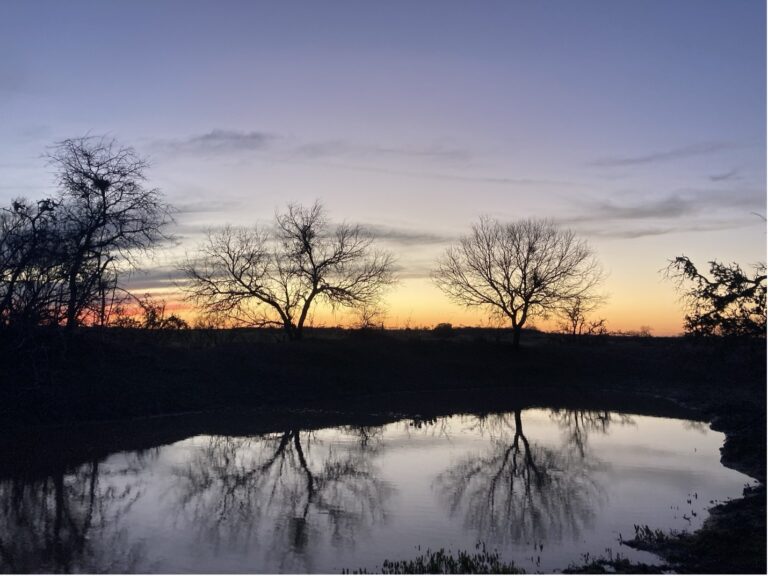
{"x":384,"y":377}
{"x":733,"y":537}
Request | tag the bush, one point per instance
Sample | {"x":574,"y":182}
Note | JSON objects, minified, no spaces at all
{"x":443,"y":331}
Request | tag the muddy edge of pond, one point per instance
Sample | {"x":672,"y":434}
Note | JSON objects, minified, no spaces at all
{"x":733,"y":537}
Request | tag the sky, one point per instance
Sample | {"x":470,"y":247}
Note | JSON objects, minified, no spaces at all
{"x":641,"y":125}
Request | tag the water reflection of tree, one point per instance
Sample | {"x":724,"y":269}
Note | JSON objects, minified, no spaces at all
{"x":431,"y":427}
{"x":370,"y":438}
{"x":698,"y":426}
{"x":68,"y":522}
{"x":290,"y":485}
{"x":519,"y":491}
{"x":579,"y":424}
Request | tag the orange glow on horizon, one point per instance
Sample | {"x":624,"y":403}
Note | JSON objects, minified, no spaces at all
{"x":416,"y":303}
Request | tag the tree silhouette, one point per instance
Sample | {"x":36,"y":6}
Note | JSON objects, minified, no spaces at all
{"x":574,"y":315}
{"x":518,"y":270}
{"x":30,"y":264}
{"x":264,"y":277}
{"x":729,"y":303}
{"x":61,"y":258}
{"x":107,"y":216}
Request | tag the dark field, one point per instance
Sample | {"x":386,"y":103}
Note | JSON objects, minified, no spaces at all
{"x":133,"y":373}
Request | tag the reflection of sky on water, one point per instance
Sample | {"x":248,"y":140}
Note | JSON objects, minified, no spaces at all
{"x":542,"y":486}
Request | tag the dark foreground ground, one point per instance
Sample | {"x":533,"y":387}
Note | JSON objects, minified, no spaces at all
{"x":107,"y":384}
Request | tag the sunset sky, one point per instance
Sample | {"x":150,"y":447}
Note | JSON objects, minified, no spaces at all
{"x":639,"y":124}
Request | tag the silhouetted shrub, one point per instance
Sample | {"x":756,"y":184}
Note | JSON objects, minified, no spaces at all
{"x":444,"y":331}
{"x":729,"y":302}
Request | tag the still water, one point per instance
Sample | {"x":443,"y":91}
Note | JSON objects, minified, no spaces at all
{"x":543,"y":487}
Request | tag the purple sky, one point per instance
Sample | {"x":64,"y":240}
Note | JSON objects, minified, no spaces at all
{"x":641,"y":124}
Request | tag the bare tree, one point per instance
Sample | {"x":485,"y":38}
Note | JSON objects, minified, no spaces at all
{"x":152,"y":311}
{"x":273,"y":277}
{"x":574,"y":315}
{"x":30,"y":258}
{"x":61,"y":258}
{"x":518,"y":270}
{"x":106,"y":214}
{"x":371,"y":316}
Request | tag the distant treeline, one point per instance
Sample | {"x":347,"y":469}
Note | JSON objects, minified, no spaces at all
{"x":63,"y":260}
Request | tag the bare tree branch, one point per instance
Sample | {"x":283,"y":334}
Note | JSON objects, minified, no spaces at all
{"x":106,"y":216}
{"x":518,"y":270}
{"x":274,"y":277}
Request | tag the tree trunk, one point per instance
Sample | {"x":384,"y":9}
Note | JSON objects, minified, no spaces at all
{"x":516,"y":336}
{"x":293,"y":331}
{"x":59,"y":554}
{"x":72,"y":302}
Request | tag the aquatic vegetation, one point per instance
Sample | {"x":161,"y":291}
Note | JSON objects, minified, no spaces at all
{"x":447,"y":563}
{"x":651,"y":537}
{"x":731,"y":541}
{"x":609,"y":563}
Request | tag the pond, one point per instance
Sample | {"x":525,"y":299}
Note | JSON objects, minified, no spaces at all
{"x":541,"y":486}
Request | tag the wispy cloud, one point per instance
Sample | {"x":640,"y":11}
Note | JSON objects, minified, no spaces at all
{"x":430,"y":175}
{"x":343,"y":154}
{"x":219,"y":142}
{"x":684,"y":210}
{"x":413,"y":271}
{"x":186,"y":233}
{"x":639,"y":232}
{"x":204,"y":206}
{"x":671,"y":207}
{"x":346,"y":149}
{"x":406,"y":237}
{"x":152,"y":278}
{"x":697,"y":149}
{"x":681,"y":203}
{"x":387,"y":234}
{"x":731,"y":175}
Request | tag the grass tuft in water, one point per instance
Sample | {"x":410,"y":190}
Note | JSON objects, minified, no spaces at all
{"x":652,"y":537}
{"x":610,"y":563}
{"x":447,"y":563}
